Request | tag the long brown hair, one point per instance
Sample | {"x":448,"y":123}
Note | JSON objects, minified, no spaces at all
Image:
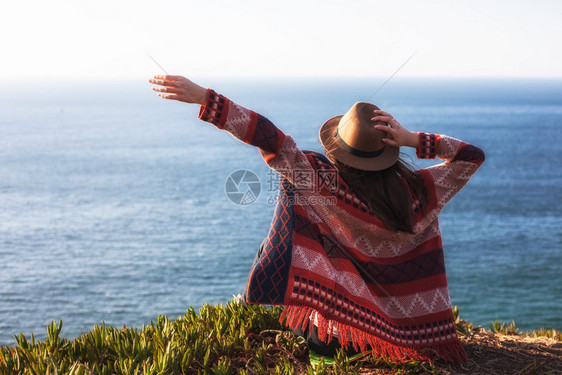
{"x":387,"y":193}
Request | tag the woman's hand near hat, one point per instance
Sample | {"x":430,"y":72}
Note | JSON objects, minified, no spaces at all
{"x":179,"y":88}
{"x":400,"y":135}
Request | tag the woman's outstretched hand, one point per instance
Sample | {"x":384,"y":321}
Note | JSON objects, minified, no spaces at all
{"x":400,"y":135}
{"x":179,"y":88}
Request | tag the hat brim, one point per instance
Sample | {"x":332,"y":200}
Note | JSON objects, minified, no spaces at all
{"x":385,"y":160}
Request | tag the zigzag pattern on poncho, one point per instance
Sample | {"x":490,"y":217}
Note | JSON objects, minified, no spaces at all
{"x":334,"y":264}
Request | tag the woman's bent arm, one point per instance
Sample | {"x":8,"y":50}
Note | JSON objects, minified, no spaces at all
{"x":462,"y":161}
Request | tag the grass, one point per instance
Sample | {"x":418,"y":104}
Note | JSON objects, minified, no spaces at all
{"x":511,"y":329}
{"x":217,"y":340}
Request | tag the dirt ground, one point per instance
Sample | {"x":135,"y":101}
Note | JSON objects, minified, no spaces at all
{"x":490,"y":353}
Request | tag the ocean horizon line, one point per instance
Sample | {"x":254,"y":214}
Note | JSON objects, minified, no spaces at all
{"x":282,"y":78}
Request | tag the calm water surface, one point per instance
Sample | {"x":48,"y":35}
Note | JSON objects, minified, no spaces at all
{"x":112,"y":203}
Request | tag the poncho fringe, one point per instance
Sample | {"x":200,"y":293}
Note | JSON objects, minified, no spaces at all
{"x":298,"y":318}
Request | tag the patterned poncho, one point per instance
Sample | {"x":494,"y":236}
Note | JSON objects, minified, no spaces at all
{"x":334,"y":264}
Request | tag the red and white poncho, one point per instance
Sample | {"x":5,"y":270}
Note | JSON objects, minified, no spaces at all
{"x":402,"y":309}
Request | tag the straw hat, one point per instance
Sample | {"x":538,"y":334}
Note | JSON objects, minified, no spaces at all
{"x":353,"y":140}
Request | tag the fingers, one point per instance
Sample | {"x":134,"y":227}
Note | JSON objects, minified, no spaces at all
{"x":172,"y":90}
{"x":387,"y":119}
{"x":392,"y":130}
{"x":170,"y":96}
{"x":169,"y":88}
{"x":171,"y":80}
{"x":162,"y":82}
{"x":168,"y":77}
{"x":391,"y":142}
{"x":394,"y":125}
{"x":384,"y":128}
{"x":166,"y":80}
{"x":396,"y":133}
{"x":383,"y":113}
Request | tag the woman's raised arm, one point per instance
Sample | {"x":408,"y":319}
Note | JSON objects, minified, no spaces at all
{"x":278,"y":149}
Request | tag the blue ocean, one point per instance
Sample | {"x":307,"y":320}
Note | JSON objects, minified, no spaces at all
{"x":113,"y":205}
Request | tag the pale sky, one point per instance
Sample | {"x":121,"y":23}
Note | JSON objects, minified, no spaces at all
{"x":86,"y":39}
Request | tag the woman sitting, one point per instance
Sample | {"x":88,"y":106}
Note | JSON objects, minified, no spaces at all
{"x":354,"y":251}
